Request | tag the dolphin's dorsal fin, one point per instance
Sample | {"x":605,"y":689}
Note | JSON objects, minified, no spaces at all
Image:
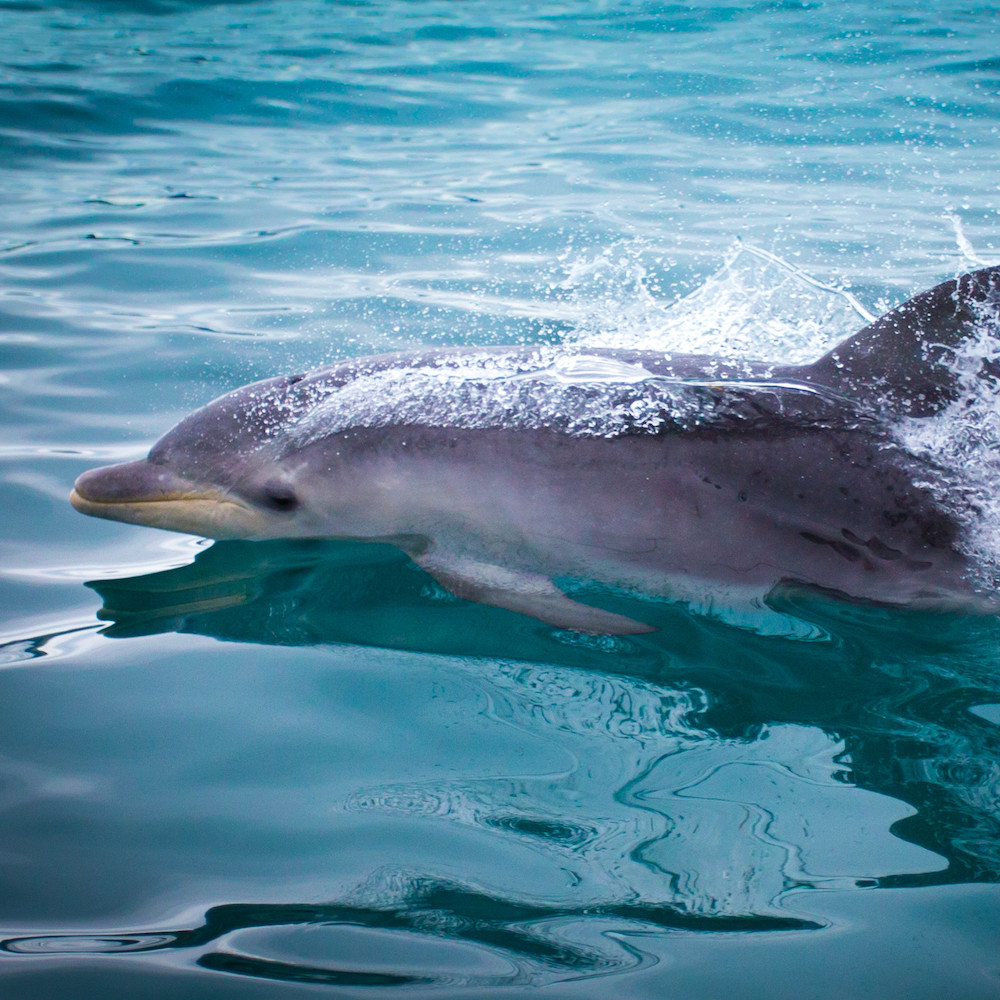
{"x":526,"y":593}
{"x":904,"y":360}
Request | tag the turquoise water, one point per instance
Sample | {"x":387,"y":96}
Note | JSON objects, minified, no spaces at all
{"x":276,"y":769}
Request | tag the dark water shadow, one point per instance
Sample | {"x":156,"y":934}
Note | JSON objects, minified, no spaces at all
{"x":532,"y":941}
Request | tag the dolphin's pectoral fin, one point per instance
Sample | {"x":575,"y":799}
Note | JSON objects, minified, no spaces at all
{"x":525,"y":593}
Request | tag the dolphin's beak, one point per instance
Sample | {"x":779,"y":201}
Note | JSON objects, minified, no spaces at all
{"x":153,"y":495}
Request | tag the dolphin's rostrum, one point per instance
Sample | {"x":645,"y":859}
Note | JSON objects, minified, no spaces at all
{"x":498,"y":470}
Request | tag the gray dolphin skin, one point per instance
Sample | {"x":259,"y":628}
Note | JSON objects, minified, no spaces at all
{"x":499,"y":470}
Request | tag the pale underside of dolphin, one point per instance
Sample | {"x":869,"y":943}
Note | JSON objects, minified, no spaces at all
{"x":499,"y":470}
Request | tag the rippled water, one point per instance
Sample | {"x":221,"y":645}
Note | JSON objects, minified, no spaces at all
{"x":265,"y":769}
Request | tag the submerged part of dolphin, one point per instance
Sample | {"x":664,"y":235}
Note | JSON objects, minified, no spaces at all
{"x":498,"y":470}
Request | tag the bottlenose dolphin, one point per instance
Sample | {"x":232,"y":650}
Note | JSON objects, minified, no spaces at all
{"x":499,"y":470}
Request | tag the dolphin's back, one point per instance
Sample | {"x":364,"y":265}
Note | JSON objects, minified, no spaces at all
{"x":578,"y":392}
{"x":910,"y":362}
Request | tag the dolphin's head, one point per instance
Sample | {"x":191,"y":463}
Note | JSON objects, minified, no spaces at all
{"x":222,"y":472}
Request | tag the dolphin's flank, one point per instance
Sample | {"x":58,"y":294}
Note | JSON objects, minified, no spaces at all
{"x":498,"y":470}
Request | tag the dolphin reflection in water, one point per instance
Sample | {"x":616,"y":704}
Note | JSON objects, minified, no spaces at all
{"x":500,"y":470}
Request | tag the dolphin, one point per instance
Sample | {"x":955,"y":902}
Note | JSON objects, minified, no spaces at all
{"x":502,"y":470}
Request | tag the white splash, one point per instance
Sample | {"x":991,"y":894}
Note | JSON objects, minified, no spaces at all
{"x":963,"y":443}
{"x":962,"y":241}
{"x":756,"y":306}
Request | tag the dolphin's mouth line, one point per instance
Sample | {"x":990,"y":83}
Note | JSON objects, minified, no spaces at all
{"x":209,"y":514}
{"x":85,"y":503}
{"x":76,"y":498}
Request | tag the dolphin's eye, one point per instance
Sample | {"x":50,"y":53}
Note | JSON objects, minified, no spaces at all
{"x":280,"y":497}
